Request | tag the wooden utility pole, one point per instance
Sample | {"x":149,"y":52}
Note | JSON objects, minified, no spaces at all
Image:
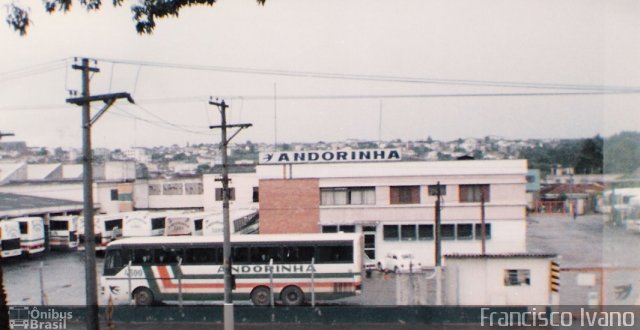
{"x":92,"y":322}
{"x":226,"y":227}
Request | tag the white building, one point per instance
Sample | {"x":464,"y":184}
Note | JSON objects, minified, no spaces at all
{"x":393,"y":203}
{"x":243,"y":191}
{"x":499,"y":280}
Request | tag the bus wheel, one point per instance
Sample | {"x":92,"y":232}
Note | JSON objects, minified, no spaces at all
{"x":143,"y":297}
{"x":260,"y":296}
{"x":292,"y":296}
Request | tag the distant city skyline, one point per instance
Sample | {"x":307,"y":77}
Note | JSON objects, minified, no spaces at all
{"x":373,"y":71}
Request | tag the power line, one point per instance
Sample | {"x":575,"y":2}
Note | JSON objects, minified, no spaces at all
{"x":198,"y":99}
{"x":381,"y":78}
{"x":32,"y":70}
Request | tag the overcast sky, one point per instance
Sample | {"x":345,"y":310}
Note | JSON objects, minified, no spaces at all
{"x":330,"y":70}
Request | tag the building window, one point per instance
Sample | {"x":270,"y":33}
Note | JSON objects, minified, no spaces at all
{"x":232,"y":194}
{"x":173,"y":189}
{"x":193,"y":188}
{"x":329,"y":229}
{"x":408,"y":232}
{"x":114,"y":194}
{"x":517,"y":277}
{"x":155,"y":189}
{"x":448,"y":232}
{"x":464,"y":231}
{"x":348,"y":196}
{"x":390,"y":232}
{"x":405,"y":195}
{"x":433,"y":190}
{"x":342,"y":228}
{"x":425,"y":232}
{"x":256,"y":195}
{"x":487,"y":229}
{"x":474,"y":193}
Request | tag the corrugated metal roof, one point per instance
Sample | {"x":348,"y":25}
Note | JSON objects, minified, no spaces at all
{"x":499,"y":255}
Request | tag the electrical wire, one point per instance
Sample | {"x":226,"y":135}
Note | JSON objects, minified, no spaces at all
{"x":198,"y":99}
{"x":381,"y":78}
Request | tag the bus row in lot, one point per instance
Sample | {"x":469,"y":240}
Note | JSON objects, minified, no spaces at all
{"x":26,"y":235}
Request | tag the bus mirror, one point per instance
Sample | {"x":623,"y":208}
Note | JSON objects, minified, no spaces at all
{"x":233,"y":282}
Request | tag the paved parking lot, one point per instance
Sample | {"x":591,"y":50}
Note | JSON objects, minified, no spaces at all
{"x":596,"y":259}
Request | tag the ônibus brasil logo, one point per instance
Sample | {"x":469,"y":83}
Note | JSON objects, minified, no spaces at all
{"x":37,"y":318}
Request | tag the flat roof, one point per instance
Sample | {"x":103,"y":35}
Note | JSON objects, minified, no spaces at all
{"x":12,"y":205}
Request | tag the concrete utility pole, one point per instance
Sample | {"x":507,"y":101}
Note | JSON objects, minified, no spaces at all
{"x":437,"y":230}
{"x":226,"y":245}
{"x":85,"y":100}
{"x":483,"y":225}
{"x":438,"y":243}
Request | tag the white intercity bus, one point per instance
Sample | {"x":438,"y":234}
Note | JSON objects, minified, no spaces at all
{"x":144,"y":224}
{"x":240,"y":221}
{"x":106,"y":228}
{"x":63,"y":232}
{"x":150,"y":270}
{"x":9,"y":238}
{"x":31,"y":234}
{"x":185,"y":224}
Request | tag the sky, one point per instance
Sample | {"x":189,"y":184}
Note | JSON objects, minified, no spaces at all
{"x":307,"y":71}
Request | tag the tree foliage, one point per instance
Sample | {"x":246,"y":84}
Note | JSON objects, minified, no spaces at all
{"x":617,"y":154}
{"x":622,"y":153}
{"x":145,"y":12}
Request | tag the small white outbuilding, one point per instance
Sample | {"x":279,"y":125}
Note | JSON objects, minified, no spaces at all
{"x":518,"y":279}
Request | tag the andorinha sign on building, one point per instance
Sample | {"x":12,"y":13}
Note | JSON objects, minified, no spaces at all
{"x":330,"y":156}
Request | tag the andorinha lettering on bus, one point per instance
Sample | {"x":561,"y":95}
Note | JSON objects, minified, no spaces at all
{"x":268,"y":269}
{"x":535,"y":318}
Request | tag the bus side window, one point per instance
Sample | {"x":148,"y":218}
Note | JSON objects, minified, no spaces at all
{"x":142,"y":256}
{"x":240,"y":255}
{"x":335,"y":254}
{"x":199,"y":256}
{"x":298,"y":254}
{"x":263,"y":254}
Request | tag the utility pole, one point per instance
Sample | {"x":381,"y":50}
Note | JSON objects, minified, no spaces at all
{"x":5,"y":134}
{"x":438,"y":243}
{"x":92,"y":322}
{"x":438,"y":232}
{"x":483,"y":225}
{"x":226,"y":245}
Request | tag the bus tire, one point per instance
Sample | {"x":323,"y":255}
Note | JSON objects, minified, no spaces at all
{"x":143,"y":297}
{"x":292,"y":296}
{"x":261,"y":296}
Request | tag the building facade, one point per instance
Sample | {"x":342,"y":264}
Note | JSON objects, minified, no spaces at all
{"x":393,"y":204}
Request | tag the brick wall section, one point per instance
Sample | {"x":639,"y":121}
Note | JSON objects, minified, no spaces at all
{"x":289,"y":206}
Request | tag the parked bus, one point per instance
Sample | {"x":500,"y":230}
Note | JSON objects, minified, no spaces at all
{"x":63,"y":232}
{"x":143,"y":224}
{"x":189,"y":268}
{"x":189,"y":224}
{"x":241,"y":222}
{"x":9,"y":238}
{"x":107,"y":227}
{"x":31,"y":234}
